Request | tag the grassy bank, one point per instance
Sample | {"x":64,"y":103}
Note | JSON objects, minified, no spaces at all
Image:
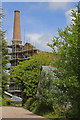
{"x":40,"y":108}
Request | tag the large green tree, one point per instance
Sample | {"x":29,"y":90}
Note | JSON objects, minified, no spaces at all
{"x":3,"y":54}
{"x":26,"y":74}
{"x":68,"y":47}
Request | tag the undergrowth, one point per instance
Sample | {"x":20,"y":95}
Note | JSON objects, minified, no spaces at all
{"x":41,"y":108}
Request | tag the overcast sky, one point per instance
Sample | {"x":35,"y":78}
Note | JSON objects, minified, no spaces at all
{"x":39,"y":20}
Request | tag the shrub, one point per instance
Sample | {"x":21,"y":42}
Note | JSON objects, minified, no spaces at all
{"x":42,"y":108}
{"x":8,"y":101}
{"x":58,"y":111}
{"x":4,"y":102}
{"x":0,"y":101}
{"x":47,"y":89}
{"x":29,"y":102}
{"x":37,"y":106}
{"x":34,"y":106}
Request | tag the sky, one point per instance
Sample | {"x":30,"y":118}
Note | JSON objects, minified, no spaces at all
{"x":39,"y":21}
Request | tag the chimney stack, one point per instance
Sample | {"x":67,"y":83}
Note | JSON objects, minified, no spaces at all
{"x":17,"y":31}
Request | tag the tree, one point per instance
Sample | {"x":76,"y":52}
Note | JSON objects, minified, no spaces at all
{"x":68,"y":65}
{"x":3,"y":55}
{"x":26,"y":74}
{"x":47,"y":91}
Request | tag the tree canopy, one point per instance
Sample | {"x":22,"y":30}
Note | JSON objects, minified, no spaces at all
{"x":26,"y":74}
{"x":68,"y":47}
{"x":3,"y":55}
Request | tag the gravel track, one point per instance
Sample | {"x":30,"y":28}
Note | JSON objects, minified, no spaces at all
{"x":19,"y":113}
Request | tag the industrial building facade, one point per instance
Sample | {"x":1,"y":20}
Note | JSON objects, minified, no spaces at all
{"x":19,"y":52}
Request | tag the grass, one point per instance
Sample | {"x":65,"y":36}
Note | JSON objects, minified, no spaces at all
{"x":40,"y":108}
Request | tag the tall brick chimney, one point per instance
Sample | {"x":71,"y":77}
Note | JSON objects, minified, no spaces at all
{"x":17,"y":31}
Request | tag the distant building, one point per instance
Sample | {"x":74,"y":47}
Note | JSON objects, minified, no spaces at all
{"x":19,"y":52}
{"x":12,"y":97}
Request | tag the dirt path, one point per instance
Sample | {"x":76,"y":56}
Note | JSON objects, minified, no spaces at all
{"x":19,"y":112}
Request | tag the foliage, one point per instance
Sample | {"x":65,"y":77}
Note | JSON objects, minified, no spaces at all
{"x":0,"y":58}
{"x":29,"y":102}
{"x":8,"y":101}
{"x":68,"y":47}
{"x":0,"y":101}
{"x":4,"y":102}
{"x":41,"y":108}
{"x":4,"y":62}
{"x":36,"y":106}
{"x":26,"y":74}
{"x":47,"y":89}
{"x":49,"y":93}
{"x":3,"y":55}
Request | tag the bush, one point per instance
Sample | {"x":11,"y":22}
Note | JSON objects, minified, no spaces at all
{"x":47,"y":90}
{"x":41,"y":108}
{"x":0,"y":101}
{"x":6,"y":102}
{"x":34,"y":106}
{"x":37,"y":106}
{"x":58,"y":111}
{"x":28,"y":103}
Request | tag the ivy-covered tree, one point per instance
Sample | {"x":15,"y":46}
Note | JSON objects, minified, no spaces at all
{"x":68,"y":47}
{"x":47,"y":91}
{"x":26,"y":74}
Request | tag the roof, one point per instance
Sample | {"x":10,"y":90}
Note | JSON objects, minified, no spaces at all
{"x":16,"y":98}
{"x":8,"y":94}
{"x":13,"y":97}
{"x":47,"y":68}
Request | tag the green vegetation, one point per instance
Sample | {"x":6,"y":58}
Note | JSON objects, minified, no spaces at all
{"x":3,"y":61}
{"x":3,"y":55}
{"x":8,"y":102}
{"x":64,"y":101}
{"x":55,"y":96}
{"x":42,"y":109}
{"x":0,"y":100}
{"x":47,"y":89}
{"x":68,"y":73}
{"x":46,"y":102}
{"x":26,"y":74}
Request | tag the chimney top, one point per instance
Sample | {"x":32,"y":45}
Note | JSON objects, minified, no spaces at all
{"x":17,"y":11}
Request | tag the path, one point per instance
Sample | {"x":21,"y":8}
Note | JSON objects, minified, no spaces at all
{"x":19,"y":112}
